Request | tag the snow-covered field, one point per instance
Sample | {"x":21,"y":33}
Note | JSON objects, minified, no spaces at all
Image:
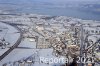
{"x":10,"y":34}
{"x":26,"y":43}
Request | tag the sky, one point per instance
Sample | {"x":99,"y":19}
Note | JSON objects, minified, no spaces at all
{"x":64,"y":0}
{"x":49,"y":1}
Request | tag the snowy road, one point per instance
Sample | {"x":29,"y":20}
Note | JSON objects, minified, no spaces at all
{"x":15,"y":42}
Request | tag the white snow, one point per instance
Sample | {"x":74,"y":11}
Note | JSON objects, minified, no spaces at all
{"x":3,"y":51}
{"x":27,"y":43}
{"x":9,"y":34}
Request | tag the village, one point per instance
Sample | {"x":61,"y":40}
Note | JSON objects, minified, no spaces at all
{"x":50,"y":37}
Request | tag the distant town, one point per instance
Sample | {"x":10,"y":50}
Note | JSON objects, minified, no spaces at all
{"x":24,"y":38}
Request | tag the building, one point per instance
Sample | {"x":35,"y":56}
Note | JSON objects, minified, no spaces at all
{"x":43,"y":43}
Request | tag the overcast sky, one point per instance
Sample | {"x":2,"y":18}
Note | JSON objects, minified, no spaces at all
{"x":68,"y":0}
{"x":64,"y":1}
{"x":51,"y":0}
{"x":54,"y":1}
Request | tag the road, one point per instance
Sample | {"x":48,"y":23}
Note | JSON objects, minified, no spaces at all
{"x":15,"y":45}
